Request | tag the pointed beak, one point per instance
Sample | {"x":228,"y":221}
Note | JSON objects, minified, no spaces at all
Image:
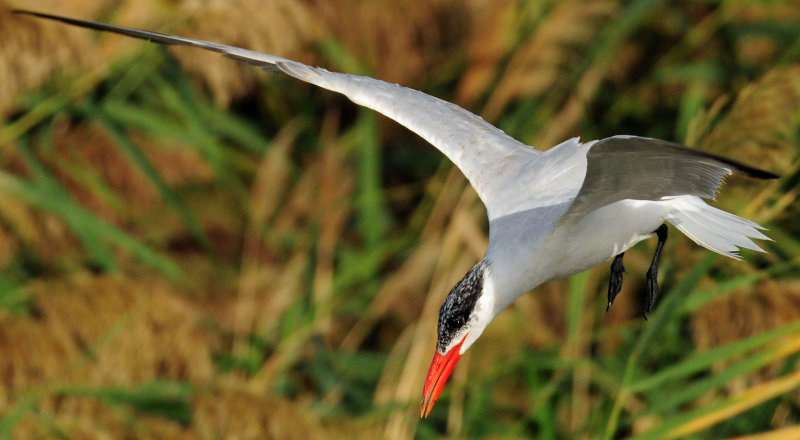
{"x":440,"y":370}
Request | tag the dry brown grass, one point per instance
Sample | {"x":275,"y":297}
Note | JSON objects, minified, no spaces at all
{"x":284,"y":27}
{"x":31,"y":52}
{"x":746,"y":313}
{"x":759,"y":125}
{"x":549,"y":52}
{"x":103,"y":331}
{"x":100,"y":332}
{"x":83,"y":159}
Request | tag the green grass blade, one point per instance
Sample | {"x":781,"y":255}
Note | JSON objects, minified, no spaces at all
{"x":140,"y":160}
{"x":169,"y":400}
{"x":14,"y":297}
{"x":702,"y":417}
{"x":51,"y":195}
{"x":18,"y":411}
{"x":196,"y":132}
{"x":372,"y":216}
{"x":658,"y":320}
{"x":87,"y":225}
{"x":702,"y":361}
{"x":696,"y":388}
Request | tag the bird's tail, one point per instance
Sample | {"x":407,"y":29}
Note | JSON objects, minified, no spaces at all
{"x":713,"y":228}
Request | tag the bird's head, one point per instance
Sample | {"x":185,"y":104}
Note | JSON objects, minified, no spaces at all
{"x":466,"y":312}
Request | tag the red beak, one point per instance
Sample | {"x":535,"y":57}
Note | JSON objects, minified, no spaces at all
{"x":440,"y":370}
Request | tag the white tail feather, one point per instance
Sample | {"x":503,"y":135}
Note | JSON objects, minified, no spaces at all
{"x":713,"y":228}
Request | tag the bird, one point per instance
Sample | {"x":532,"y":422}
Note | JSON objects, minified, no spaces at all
{"x":551,"y":213}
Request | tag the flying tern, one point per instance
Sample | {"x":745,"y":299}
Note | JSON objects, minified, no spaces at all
{"x":551,"y":213}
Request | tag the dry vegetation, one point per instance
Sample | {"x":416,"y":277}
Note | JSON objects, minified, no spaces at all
{"x":191,"y":248}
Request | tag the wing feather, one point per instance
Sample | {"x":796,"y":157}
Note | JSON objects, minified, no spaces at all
{"x":480,"y":150}
{"x":637,"y":168}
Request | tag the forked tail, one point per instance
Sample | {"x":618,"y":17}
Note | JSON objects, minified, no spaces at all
{"x":713,"y":228}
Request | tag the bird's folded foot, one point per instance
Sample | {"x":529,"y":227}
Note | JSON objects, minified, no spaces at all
{"x":615,"y":281}
{"x":652,"y":273}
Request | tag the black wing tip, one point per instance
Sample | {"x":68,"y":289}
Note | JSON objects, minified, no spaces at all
{"x":39,"y":14}
{"x":25,"y":12}
{"x":67,"y":20}
{"x":755,"y":172}
{"x":734,"y":165}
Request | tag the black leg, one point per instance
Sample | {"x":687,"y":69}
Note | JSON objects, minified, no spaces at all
{"x":615,"y":281}
{"x":652,"y":273}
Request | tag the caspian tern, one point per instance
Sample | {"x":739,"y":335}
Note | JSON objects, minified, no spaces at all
{"x":551,"y":213}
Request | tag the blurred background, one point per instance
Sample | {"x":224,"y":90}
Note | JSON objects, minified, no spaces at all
{"x":193,"y":248}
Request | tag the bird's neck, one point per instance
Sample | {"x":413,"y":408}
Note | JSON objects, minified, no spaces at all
{"x":508,"y":280}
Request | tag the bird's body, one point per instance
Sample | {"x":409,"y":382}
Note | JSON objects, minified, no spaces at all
{"x":551,"y":214}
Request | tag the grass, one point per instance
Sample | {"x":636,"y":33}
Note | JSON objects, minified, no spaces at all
{"x":216,"y":252}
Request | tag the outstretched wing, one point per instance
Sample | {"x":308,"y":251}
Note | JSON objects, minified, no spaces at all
{"x":637,"y":168}
{"x":480,"y":150}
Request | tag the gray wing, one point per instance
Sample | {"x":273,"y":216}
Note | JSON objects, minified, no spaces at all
{"x":480,"y":150}
{"x":637,"y":168}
